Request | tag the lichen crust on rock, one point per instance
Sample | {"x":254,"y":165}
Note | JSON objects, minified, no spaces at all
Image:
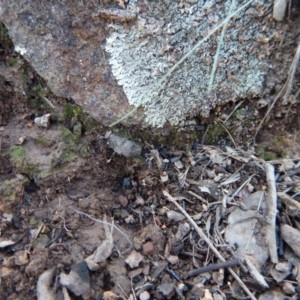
{"x":141,"y":52}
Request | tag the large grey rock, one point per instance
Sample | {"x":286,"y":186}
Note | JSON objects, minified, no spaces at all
{"x":108,"y":59}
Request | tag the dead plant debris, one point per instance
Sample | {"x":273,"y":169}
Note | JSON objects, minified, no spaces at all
{"x":224,"y":225}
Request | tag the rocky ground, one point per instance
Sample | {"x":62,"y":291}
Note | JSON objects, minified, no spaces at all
{"x":93,"y":213}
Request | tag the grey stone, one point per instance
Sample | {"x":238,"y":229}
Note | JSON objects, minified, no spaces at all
{"x":166,"y":288}
{"x":78,"y":280}
{"x":123,"y":146}
{"x":175,"y":216}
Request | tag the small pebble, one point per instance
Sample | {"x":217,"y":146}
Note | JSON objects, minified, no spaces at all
{"x":178,"y":164}
{"x":166,"y":288}
{"x":182,"y":288}
{"x":134,"y":259}
{"x":175,"y":216}
{"x":127,"y":184}
{"x":146,"y":270}
{"x":43,"y":121}
{"x":148,"y":248}
{"x":144,"y":296}
{"x":288,"y":288}
{"x":123,"y":201}
{"x":283,"y":267}
{"x":124,"y":146}
{"x":173,"y":259}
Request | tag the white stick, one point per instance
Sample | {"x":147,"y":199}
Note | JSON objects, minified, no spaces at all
{"x":271,"y":201}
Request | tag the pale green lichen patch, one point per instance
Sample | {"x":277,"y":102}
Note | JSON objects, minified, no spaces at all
{"x":18,"y":158}
{"x":8,"y":192}
{"x":12,"y":190}
{"x":141,"y":52}
{"x":67,"y":136}
{"x":18,"y":155}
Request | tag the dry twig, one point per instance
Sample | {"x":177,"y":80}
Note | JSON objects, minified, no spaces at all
{"x":288,"y":201}
{"x":209,"y":243}
{"x":213,"y":267}
{"x":271,"y":201}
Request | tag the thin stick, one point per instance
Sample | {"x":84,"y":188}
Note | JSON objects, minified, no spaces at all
{"x":288,"y":201}
{"x":209,"y":243}
{"x":48,"y":102}
{"x":271,"y":201}
{"x":197,"y":196}
{"x":213,"y":267}
{"x":103,"y":222}
{"x":240,"y":188}
{"x":165,"y":77}
{"x":236,"y":107}
{"x":230,"y":136}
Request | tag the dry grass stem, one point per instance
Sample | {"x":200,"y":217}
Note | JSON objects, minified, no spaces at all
{"x":103,"y":222}
{"x":235,"y":108}
{"x":229,"y":134}
{"x":209,"y":243}
{"x":240,"y":188}
{"x":216,"y":57}
{"x":271,"y":200}
{"x":197,"y":196}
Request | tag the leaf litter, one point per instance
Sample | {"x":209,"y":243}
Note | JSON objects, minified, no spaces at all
{"x":218,"y":212}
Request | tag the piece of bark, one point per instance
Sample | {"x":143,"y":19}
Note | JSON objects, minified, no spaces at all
{"x":292,"y":237}
{"x":255,"y":274}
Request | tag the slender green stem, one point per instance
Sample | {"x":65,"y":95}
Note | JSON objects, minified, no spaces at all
{"x":214,"y":68}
